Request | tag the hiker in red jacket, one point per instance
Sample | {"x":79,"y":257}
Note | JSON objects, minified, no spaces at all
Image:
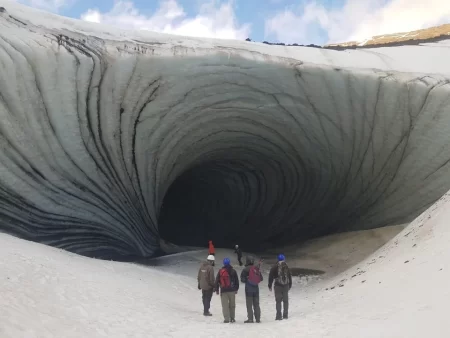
{"x":212,"y":251}
{"x":227,"y":282}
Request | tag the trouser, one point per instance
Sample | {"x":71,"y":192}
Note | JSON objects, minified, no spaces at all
{"x":206,"y":298}
{"x":282,"y":295}
{"x":252,"y":302}
{"x":228,"y":305}
{"x":240,"y":260}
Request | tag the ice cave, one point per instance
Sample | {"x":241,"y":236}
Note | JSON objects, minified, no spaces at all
{"x":123,"y":152}
{"x":110,"y":142}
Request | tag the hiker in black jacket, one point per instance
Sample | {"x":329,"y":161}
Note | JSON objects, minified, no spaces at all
{"x":227,"y":282}
{"x":238,"y":252}
{"x":251,"y":276}
{"x":281,"y":274}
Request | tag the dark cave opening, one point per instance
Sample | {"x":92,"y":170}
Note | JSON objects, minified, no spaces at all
{"x":205,"y":203}
{"x":251,"y":201}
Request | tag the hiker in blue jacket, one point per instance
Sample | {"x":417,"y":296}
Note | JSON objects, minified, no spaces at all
{"x":252,"y":276}
{"x":227,"y":282}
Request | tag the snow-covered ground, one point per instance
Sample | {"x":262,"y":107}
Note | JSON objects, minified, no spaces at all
{"x":399,"y":291}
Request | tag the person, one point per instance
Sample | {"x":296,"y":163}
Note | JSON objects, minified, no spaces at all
{"x":238,"y":252}
{"x":281,"y":275}
{"x":212,"y":251}
{"x":252,"y":276}
{"x":228,"y":283}
{"x":206,"y":282}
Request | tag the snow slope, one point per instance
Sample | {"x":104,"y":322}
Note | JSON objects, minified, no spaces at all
{"x":400,"y":291}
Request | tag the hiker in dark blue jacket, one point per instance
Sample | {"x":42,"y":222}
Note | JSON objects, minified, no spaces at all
{"x":252,"y":276}
{"x":238,"y":252}
{"x":281,"y":276}
{"x":227,"y":281}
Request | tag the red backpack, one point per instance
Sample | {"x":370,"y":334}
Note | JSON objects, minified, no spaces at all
{"x":254,"y":275}
{"x":225,"y":281}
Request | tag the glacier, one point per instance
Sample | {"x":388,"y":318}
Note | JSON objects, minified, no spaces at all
{"x":111,"y":140}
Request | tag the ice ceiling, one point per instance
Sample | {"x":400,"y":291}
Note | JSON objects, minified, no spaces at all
{"x":107,"y":145}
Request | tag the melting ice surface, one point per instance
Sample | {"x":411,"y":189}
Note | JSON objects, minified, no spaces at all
{"x":111,"y":140}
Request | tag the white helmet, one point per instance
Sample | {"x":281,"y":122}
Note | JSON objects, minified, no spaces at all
{"x":211,"y":258}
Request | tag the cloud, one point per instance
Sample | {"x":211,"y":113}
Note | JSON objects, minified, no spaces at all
{"x":212,"y":21}
{"x":48,"y":5}
{"x":356,"y":20}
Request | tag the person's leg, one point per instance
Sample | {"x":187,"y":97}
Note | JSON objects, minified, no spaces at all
{"x":249,"y":304}
{"x":256,"y":307}
{"x":225,"y":306}
{"x":278,"y":299}
{"x":205,"y":309}
{"x":209,"y":295}
{"x":232,"y":298}
{"x":286,"y":301}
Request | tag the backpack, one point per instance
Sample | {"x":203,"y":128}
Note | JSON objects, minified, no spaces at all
{"x":254,"y":275}
{"x":225,"y":280}
{"x":283,"y":274}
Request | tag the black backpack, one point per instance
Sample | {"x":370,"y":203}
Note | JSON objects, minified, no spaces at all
{"x":283,"y":274}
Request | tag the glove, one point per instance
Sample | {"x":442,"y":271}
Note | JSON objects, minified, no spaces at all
{"x":217,"y":292}
{"x":270,"y":289}
{"x":199,"y":287}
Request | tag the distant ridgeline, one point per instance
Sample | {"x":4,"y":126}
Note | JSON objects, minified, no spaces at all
{"x":428,"y":35}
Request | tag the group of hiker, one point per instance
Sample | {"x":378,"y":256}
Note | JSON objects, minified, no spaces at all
{"x":226,"y":283}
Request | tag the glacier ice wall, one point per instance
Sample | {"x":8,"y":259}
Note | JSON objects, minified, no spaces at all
{"x":108,"y":142}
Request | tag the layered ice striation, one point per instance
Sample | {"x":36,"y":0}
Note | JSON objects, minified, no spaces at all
{"x":111,"y":140}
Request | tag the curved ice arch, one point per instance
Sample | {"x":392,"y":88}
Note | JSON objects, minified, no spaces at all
{"x":296,"y":142}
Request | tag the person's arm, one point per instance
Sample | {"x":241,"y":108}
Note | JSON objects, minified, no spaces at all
{"x":244,"y":275}
{"x":271,"y":277}
{"x":211,"y":280}
{"x":217,"y":283}
{"x":261,"y":275}
{"x":236,"y":280}
{"x":290,"y":278}
{"x":198,"y":278}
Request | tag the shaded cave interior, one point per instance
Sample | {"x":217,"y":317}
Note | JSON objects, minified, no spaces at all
{"x":234,"y":201}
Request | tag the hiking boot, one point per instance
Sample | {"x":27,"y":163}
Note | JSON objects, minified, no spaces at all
{"x":207,"y":314}
{"x":258,"y":321}
{"x":278,"y":318}
{"x":285,"y":316}
{"x":248,"y":321}
{"x":226,"y":321}
{"x":232,"y":320}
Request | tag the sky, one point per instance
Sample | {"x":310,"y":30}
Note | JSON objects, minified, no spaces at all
{"x":289,"y":21}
